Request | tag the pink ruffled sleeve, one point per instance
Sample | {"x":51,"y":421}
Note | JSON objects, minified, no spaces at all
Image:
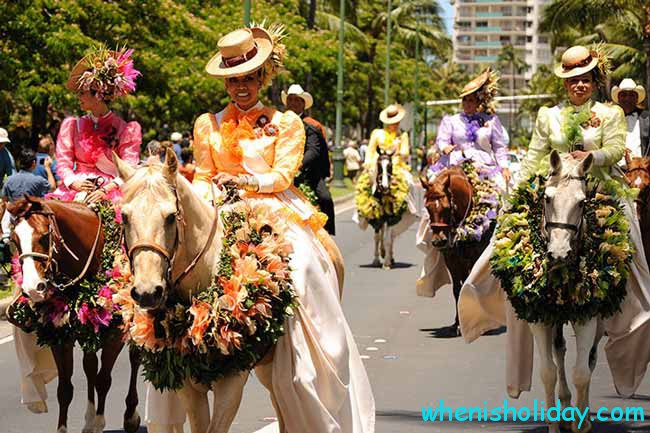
{"x":65,"y":151}
{"x":130,"y":141}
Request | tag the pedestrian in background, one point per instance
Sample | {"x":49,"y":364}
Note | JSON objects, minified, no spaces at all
{"x":45,"y":150}
{"x":7,"y":165}
{"x":353,"y":160}
{"x":176,"y":138}
{"x":26,"y":182}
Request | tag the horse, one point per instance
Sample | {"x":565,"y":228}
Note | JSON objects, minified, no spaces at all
{"x":381,"y":177}
{"x":174,"y":239}
{"x":638,"y":176}
{"x":448,"y":200}
{"x":57,"y":238}
{"x":566,"y":192}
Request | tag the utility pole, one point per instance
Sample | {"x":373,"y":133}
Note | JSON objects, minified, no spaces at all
{"x":416,"y":105}
{"x":387,"y":77}
{"x":247,"y":13}
{"x":337,"y":158}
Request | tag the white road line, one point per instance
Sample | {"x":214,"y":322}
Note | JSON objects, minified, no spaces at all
{"x":6,"y":339}
{"x":271,"y":428}
{"x":345,"y":209}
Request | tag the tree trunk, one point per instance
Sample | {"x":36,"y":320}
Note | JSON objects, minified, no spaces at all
{"x":370,"y":109}
{"x":311,"y":19}
{"x":512,"y":102}
{"x":39,"y":121}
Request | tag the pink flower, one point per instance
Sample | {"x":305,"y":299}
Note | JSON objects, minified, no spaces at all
{"x":57,"y":311}
{"x":118,"y":215}
{"x":95,"y":316}
{"x":127,"y":73}
{"x":106,"y":292}
{"x":16,"y":271}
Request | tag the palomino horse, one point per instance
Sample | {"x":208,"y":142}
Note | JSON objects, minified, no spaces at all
{"x":49,"y":234}
{"x":448,"y":201}
{"x":566,"y":191}
{"x":381,"y":177}
{"x":174,"y":239}
{"x":638,"y":176}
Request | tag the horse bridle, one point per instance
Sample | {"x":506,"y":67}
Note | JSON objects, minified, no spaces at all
{"x":557,"y":225}
{"x":54,"y":235}
{"x":170,"y":257}
{"x":388,"y":156}
{"x":449,"y":226}
{"x":638,"y":199}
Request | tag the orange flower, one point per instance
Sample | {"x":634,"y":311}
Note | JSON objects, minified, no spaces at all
{"x":231,"y":134}
{"x":142,"y":332}
{"x":233,"y":292}
{"x":262,"y":306}
{"x":276,"y":266}
{"x":226,"y":339}
{"x":246,"y":268}
{"x":202,"y":319}
{"x":126,"y":304}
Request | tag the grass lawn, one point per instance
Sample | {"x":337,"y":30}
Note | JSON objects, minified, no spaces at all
{"x":5,"y":292}
{"x":339,"y":192}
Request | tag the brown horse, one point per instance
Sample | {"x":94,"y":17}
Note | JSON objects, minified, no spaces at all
{"x":638,"y":176}
{"x":57,"y":238}
{"x":448,"y":200}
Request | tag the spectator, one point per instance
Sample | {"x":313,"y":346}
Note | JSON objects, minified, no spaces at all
{"x":187,"y":167}
{"x":7,"y":166}
{"x":25,"y":181}
{"x":45,"y":148}
{"x":187,"y":139}
{"x":353,"y":160}
{"x":363,"y":148}
{"x":155,"y":151}
{"x":176,"y":139}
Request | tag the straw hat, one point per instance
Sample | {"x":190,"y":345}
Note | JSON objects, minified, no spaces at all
{"x":576,"y":61}
{"x":241,"y":52}
{"x":628,"y":85}
{"x":296,"y":89}
{"x":4,"y":136}
{"x":394,"y":113}
{"x":476,"y":83}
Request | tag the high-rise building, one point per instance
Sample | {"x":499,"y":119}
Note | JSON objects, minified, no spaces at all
{"x":483,"y":27}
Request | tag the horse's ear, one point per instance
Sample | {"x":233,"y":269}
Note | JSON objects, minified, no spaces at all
{"x":628,"y":159}
{"x":585,"y":164}
{"x":556,"y":163}
{"x":124,"y":170}
{"x":170,"y":169}
{"x":425,"y":182}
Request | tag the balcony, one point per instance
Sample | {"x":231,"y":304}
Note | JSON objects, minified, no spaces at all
{"x":485,"y":58}
{"x":488,"y":44}
{"x":486,"y":29}
{"x":489,"y":14}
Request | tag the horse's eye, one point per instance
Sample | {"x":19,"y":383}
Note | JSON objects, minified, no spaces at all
{"x":44,"y":241}
{"x":581,"y":203}
{"x":548,"y":199}
{"x":170,"y":219}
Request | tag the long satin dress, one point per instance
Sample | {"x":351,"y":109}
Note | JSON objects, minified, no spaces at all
{"x":483,"y":304}
{"x":319,"y":381}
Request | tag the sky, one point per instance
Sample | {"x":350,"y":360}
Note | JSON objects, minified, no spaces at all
{"x":447,"y":14}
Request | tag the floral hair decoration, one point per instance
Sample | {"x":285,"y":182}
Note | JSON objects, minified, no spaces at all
{"x":108,"y":74}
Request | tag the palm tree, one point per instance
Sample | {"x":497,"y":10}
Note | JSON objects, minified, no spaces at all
{"x":623,"y":25}
{"x":512,"y":58}
{"x":366,"y":26}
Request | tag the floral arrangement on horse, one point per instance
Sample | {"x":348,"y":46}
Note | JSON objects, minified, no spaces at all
{"x":552,"y":292}
{"x":377,"y":208}
{"x":232,"y":325}
{"x":87,"y":315}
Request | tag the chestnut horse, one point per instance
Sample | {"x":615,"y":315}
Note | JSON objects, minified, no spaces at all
{"x":48,"y":235}
{"x":448,"y":201}
{"x":638,"y":176}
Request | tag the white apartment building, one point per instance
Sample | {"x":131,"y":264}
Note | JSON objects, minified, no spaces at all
{"x":483,"y":27}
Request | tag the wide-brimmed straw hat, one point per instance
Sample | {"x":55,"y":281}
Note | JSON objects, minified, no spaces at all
{"x":241,"y":52}
{"x":476,"y":83}
{"x":576,"y":61}
{"x":628,"y":85}
{"x":394,"y":113}
{"x":296,"y":89}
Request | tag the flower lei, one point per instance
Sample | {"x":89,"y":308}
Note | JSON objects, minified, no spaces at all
{"x":387,"y":209}
{"x":88,"y":315}
{"x":230,"y":326}
{"x":573,"y":120}
{"x":485,"y":205}
{"x":593,"y":285}
{"x":110,"y":74}
{"x":472,"y":124}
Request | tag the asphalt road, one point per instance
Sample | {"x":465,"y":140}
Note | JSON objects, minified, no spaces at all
{"x":409,"y":361}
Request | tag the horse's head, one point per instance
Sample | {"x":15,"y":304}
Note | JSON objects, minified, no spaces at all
{"x":638,"y":172}
{"x":34,"y":239}
{"x":447,"y":200}
{"x":383,"y":173}
{"x":565,"y":196}
{"x":151,"y":215}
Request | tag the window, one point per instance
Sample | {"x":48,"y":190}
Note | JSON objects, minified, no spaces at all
{"x":464,"y":24}
{"x":463,"y":39}
{"x":481,"y":24}
{"x":542,"y":40}
{"x":505,"y":40}
{"x":529,"y":39}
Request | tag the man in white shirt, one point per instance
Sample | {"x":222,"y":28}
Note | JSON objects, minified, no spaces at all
{"x":629,"y":96}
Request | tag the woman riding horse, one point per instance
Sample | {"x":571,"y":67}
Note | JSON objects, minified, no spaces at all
{"x":259,"y":149}
{"x":602,"y":130}
{"x":474,"y":136}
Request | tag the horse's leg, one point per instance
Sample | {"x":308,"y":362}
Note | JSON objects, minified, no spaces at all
{"x":90,"y":369}
{"x":593,"y":353}
{"x":388,"y":244}
{"x":585,"y":339}
{"x":544,"y":339}
{"x":264,"y":373}
{"x":111,"y":348}
{"x":64,"y":391}
{"x":131,"y":415}
{"x":376,"y":261}
{"x":228,"y":393}
{"x":196,"y":405}
{"x":559,"y":353}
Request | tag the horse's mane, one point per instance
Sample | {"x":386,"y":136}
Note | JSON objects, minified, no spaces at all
{"x":30,"y":204}
{"x":150,"y":177}
{"x":437,"y":186}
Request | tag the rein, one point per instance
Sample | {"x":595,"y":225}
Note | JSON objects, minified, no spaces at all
{"x":54,"y":236}
{"x":558,"y":225}
{"x":179,"y":239}
{"x":452,"y":224}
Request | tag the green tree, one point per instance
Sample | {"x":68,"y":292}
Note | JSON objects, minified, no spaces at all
{"x":512,"y":59}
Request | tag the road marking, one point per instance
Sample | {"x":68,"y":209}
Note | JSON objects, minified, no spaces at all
{"x":372,"y":349}
{"x":271,"y":428}
{"x":380,"y":340}
{"x":6,"y":340}
{"x":345,"y":209}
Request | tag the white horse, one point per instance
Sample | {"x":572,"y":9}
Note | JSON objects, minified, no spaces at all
{"x":167,"y":224}
{"x":565,"y":196}
{"x":381,"y":177}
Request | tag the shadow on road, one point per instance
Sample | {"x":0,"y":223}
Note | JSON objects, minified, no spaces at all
{"x":396,"y":265}
{"x":442,"y":332}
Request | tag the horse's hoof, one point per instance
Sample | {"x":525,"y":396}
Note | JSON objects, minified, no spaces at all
{"x":37,"y":407}
{"x":387,"y":266}
{"x":62,"y":429}
{"x":585,"y":428}
{"x":100,"y":423}
{"x":376,"y":263}
{"x":132,"y":424}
